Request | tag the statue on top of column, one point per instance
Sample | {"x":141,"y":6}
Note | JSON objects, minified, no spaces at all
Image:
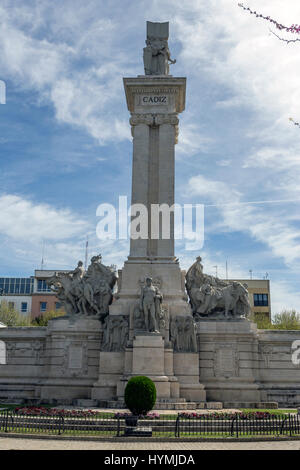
{"x":156,"y":53}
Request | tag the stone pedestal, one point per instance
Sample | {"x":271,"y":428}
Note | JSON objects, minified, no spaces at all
{"x":111,"y":368}
{"x":229,"y":361}
{"x":186,"y":369}
{"x":71,"y":359}
{"x":147,"y":356}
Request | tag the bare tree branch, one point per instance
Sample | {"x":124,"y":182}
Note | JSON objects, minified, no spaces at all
{"x":283,"y":39}
{"x":294,"y":122}
{"x":289,"y":29}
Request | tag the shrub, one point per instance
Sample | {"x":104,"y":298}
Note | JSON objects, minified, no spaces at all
{"x":11,"y":317}
{"x":42,"y":320}
{"x":140,"y":395}
{"x":287,"y":320}
{"x":262,"y":321}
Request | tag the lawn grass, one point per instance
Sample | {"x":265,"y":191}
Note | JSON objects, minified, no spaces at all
{"x":13,"y":406}
{"x":275,"y":411}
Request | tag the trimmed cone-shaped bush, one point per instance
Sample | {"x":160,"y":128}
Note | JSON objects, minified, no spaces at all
{"x":140,"y":395}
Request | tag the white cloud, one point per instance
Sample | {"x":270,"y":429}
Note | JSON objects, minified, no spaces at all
{"x":85,"y":96}
{"x":277,"y":158}
{"x":262,"y":224}
{"x":224,"y":162}
{"x":25,"y":227}
{"x":21,"y":219}
{"x":284,"y":297}
{"x":216,"y":191}
{"x":192,"y":140}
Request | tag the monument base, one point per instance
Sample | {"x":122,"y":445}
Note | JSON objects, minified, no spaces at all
{"x":175,"y":375}
{"x":229,"y":356}
{"x":71,"y":359}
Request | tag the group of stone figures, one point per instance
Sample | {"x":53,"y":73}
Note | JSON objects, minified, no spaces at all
{"x":85,"y":292}
{"x":183,"y":333}
{"x":149,"y":316}
{"x":115,"y":333}
{"x":211,"y":297}
{"x":156,"y":53}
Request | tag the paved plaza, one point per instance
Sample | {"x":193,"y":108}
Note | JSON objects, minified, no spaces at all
{"x":8,"y":443}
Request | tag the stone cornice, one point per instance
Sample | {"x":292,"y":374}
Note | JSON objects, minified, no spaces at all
{"x":173,"y":86}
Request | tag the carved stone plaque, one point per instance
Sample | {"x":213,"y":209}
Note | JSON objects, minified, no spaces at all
{"x":226,"y":363}
{"x":75,"y":357}
{"x":226,"y":360}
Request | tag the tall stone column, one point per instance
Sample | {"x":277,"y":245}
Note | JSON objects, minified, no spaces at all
{"x":155,"y":103}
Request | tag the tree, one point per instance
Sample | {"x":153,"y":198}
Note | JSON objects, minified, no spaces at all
{"x":11,"y":317}
{"x":294,"y":28}
{"x":140,"y":395}
{"x":42,"y":320}
{"x":262,"y":321}
{"x":287,"y":320}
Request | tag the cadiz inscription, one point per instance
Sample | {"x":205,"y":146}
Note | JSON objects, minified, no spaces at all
{"x":154,"y":99}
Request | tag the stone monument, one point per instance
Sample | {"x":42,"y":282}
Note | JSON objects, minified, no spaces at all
{"x":198,"y":347}
{"x":151,"y":291}
{"x":150,"y":326}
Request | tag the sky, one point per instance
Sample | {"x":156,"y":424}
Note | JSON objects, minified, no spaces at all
{"x":66,"y":146}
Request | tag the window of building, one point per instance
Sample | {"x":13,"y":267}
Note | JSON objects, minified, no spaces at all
{"x":58,"y":305}
{"x":42,"y":286}
{"x":11,"y":285}
{"x":261,"y":300}
{"x":11,"y":305}
{"x":43,"y":306}
{"x":24,"y":307}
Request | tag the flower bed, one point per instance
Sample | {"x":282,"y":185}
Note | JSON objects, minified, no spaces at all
{"x":42,"y":411}
{"x":150,"y":415}
{"x":229,"y":416}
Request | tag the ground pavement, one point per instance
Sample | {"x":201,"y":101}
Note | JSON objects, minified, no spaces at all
{"x":8,"y":443}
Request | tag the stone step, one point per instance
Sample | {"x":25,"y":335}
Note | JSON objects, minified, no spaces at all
{"x":171,"y":400}
{"x":168,"y":404}
{"x":85,"y":402}
{"x":246,"y":404}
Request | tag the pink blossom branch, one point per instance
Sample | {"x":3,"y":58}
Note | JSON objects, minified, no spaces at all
{"x":295,"y":28}
{"x":296,"y":123}
{"x":283,"y":39}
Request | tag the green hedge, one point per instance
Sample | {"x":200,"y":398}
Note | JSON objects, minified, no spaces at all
{"x":140,"y":395}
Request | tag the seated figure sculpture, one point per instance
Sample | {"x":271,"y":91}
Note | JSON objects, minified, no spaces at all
{"x":211,"y":297}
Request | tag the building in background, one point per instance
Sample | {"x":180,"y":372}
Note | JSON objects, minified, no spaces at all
{"x":43,"y":298}
{"x":17,"y":292}
{"x":29,"y":295}
{"x":259,"y":295}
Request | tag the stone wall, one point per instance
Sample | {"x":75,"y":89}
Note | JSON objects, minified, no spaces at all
{"x":21,"y":376}
{"x":279,"y":377}
{"x":239,"y":365}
